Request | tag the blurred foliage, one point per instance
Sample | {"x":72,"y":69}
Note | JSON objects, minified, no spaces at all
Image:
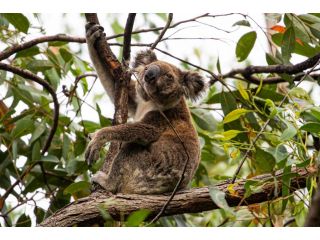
{"x":291,"y":137}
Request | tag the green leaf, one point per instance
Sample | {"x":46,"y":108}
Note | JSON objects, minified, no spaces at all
{"x":272,"y":60}
{"x":235,"y":114}
{"x":227,"y":135}
{"x":104,"y":122}
{"x":39,"y":130}
{"x":23,"y":221}
{"x":50,"y":158}
{"x":23,"y":126}
{"x":288,"y":43}
{"x":29,"y":52}
{"x":77,"y":187}
{"x":136,"y":218}
{"x":305,"y":50}
{"x":36,"y":155}
{"x":228,"y":104}
{"x":315,"y":111}
{"x":65,"y":54}
{"x":242,"y":23}
{"x":18,"y":20}
{"x":90,"y":126}
{"x":309,"y":18}
{"x":242,"y":91}
{"x":315,"y":29}
{"x":300,"y":93}
{"x":39,"y":213}
{"x":219,"y":198}
{"x":245,"y":45}
{"x":263,"y":161}
{"x":311,"y":127}
{"x":289,"y":133}
{"x":75,"y":166}
{"x":204,"y":119}
{"x":39,"y":65}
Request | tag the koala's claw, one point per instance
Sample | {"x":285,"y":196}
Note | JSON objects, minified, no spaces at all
{"x":92,"y":152}
{"x":94,"y":32}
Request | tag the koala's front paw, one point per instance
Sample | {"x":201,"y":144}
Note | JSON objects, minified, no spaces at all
{"x":93,"y":32}
{"x":93,"y":149}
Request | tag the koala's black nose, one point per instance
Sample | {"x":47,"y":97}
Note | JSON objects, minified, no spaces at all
{"x":151,"y":73}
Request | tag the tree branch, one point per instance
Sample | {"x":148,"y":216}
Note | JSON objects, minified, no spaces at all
{"x":153,"y":46}
{"x":280,"y":68}
{"x":126,"y":51}
{"x":58,"y":37}
{"x":85,"y":212}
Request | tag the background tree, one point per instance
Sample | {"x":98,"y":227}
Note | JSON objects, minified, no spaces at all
{"x":248,"y":124}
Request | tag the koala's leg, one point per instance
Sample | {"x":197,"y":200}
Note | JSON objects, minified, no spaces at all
{"x":129,"y":132}
{"x":93,"y":33}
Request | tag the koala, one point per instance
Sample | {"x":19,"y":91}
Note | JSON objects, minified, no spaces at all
{"x":151,"y":157}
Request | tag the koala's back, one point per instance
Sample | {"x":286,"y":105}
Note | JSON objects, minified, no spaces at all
{"x":158,"y":166}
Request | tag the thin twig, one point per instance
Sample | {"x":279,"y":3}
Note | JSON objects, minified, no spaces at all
{"x":26,"y":172}
{"x":166,"y":27}
{"x":160,"y":28}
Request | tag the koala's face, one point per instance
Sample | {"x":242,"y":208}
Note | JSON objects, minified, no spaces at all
{"x":163,"y":82}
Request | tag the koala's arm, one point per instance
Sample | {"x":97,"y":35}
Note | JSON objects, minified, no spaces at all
{"x":129,"y":132}
{"x":93,"y":32}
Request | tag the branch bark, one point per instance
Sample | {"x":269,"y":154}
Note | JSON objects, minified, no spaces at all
{"x":126,"y":51}
{"x":247,"y":72}
{"x":58,"y":37}
{"x":85,"y":212}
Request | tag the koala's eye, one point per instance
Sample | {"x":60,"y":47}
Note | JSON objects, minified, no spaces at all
{"x":168,"y":75}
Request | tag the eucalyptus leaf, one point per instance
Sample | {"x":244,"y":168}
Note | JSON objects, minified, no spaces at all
{"x":18,"y":20}
{"x":245,"y":45}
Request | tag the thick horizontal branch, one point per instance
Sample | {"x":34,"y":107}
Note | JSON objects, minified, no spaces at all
{"x":85,"y":212}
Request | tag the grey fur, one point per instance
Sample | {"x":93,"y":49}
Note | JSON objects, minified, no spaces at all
{"x":151,"y":157}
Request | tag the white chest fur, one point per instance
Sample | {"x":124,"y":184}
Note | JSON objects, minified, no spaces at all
{"x":143,"y":108}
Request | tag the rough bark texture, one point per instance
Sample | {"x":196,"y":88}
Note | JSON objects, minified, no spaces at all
{"x":85,"y":212}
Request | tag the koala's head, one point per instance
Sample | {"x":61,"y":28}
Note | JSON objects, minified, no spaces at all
{"x":165,"y":83}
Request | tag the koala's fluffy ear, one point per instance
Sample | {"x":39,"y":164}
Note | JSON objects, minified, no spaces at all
{"x":144,"y":58}
{"x":193,"y":84}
